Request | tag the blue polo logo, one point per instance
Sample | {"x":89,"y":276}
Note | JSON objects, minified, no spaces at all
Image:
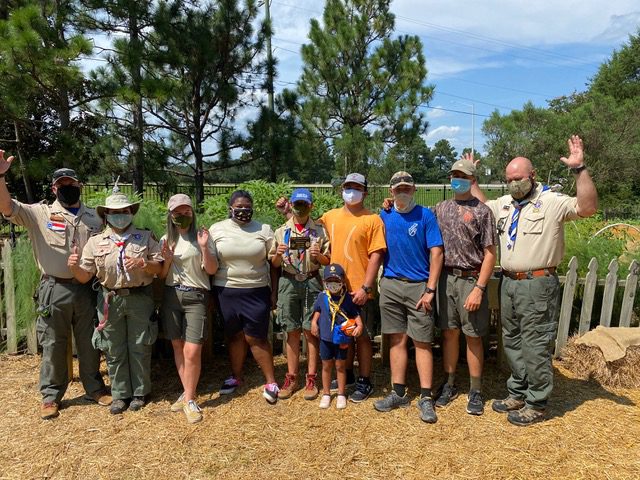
{"x":413,"y":229}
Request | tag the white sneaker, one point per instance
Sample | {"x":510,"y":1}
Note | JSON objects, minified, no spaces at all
{"x":341,"y":402}
{"x":178,"y":405}
{"x":193,"y":412}
{"x":325,"y":401}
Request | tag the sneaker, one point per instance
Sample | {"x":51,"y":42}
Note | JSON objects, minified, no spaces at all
{"x":525,"y":416}
{"x":351,"y":382}
{"x":230,"y":385}
{"x":427,"y":413}
{"x":49,"y":410}
{"x":507,"y":405}
{"x":137,"y":403}
{"x":270,"y":392}
{"x":325,"y":401}
{"x":101,"y":397}
{"x":475,"y":405}
{"x":117,"y":407}
{"x":289,"y":386}
{"x":341,"y":402}
{"x":446,"y":395}
{"x":391,"y":401}
{"x":310,"y":388}
{"x":363,"y":390}
{"x":192,"y":411}
{"x":178,"y":405}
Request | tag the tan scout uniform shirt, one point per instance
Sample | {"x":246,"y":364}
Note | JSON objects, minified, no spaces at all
{"x":187,"y":268}
{"x":540,"y":235}
{"x":54,"y":231}
{"x":308,"y":264}
{"x":100,"y":257}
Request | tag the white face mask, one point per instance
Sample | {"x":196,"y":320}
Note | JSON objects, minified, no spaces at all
{"x":352,"y":196}
{"x":334,"y":287}
{"x":402,"y":200}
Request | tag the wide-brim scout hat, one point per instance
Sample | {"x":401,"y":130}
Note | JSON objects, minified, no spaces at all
{"x":117,"y":201}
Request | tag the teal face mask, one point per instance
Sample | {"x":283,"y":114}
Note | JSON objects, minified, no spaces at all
{"x":119,"y":220}
{"x":460,"y":185}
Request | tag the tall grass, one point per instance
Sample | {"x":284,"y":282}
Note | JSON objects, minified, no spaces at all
{"x":26,"y":276}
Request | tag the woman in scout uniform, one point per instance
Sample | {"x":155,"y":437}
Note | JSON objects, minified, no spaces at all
{"x":189,"y":259}
{"x":300,"y":248}
{"x":124,"y":259}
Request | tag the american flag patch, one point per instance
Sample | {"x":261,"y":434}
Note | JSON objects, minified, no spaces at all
{"x":56,"y":226}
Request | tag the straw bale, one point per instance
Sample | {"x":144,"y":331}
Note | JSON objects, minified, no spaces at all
{"x":592,"y":432}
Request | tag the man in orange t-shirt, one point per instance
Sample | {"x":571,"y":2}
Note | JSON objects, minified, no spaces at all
{"x":357,"y":244}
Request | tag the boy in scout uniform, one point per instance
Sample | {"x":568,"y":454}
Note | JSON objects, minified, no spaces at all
{"x":530,"y":222}
{"x":63,"y":302}
{"x":124,"y":259}
{"x":300,"y":248}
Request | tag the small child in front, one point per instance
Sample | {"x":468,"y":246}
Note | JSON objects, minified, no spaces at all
{"x":336,"y":320}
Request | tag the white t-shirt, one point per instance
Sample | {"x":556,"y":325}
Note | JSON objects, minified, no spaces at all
{"x":187,"y":266}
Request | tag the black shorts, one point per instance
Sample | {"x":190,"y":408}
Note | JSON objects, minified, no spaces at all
{"x":245,"y":309}
{"x":332,"y":351}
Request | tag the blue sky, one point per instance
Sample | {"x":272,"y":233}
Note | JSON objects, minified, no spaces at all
{"x":484,"y":55}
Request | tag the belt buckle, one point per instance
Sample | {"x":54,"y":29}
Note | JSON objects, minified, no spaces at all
{"x":529,"y":275}
{"x":457,"y":272}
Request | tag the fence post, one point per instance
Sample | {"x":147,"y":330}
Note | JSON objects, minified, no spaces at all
{"x":10,"y":298}
{"x":629,"y":295}
{"x":608,"y":297}
{"x":590,"y":283}
{"x":567,"y":305}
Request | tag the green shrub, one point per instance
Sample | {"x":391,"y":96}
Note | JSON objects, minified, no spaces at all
{"x":26,"y":276}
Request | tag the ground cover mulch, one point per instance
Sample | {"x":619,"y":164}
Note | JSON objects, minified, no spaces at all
{"x":593,"y":432}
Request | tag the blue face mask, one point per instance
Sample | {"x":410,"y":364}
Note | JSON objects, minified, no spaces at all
{"x":460,"y":185}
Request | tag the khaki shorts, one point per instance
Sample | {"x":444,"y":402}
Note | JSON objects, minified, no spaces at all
{"x":295,"y":302}
{"x":398,"y":309}
{"x":184,"y":314}
{"x":452,"y":293}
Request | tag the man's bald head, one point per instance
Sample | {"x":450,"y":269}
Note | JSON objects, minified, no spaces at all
{"x":519,"y":168}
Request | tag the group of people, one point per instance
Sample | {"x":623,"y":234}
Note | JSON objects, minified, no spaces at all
{"x":324,"y":278}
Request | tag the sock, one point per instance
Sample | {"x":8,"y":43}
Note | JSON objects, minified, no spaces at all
{"x":476,"y":383}
{"x":451,"y":379}
{"x":400,"y":389}
{"x":365,"y":380}
{"x":350,"y":376}
{"x":425,"y":392}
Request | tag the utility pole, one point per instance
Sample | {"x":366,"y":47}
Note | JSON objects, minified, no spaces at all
{"x":272,"y":159}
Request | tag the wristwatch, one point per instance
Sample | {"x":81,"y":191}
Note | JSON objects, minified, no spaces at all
{"x":429,"y":290}
{"x":577,"y":170}
{"x":366,"y":289}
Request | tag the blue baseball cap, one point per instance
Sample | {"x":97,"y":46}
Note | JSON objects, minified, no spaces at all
{"x":333,"y":271}
{"x":301,"y":195}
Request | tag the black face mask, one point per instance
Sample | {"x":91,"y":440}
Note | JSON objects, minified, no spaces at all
{"x":68,"y":194}
{"x":242,"y":214}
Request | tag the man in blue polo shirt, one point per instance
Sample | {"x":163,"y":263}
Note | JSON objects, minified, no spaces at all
{"x":412,"y":265}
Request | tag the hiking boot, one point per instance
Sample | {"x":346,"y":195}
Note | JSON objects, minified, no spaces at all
{"x":427,"y":413}
{"x":270,"y":392}
{"x":101,"y":397}
{"x":310,"y":388}
{"x":351,"y":382}
{"x":341,"y":402}
{"x":192,"y":411}
{"x":446,"y":395}
{"x":289,"y":386}
{"x":178,"y":405}
{"x":525,"y":416}
{"x":325,"y":401}
{"x":391,"y":401}
{"x":137,"y":403}
{"x":230,"y":385}
{"x":507,"y":405}
{"x":49,"y":410}
{"x":363,"y":390}
{"x":475,"y":405}
{"x":117,"y":407}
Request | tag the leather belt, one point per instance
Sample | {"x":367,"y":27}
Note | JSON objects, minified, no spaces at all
{"x":125,"y":292}
{"x":406,"y":280}
{"x":185,"y":288}
{"x":458,"y":272}
{"x":301,"y":277}
{"x":67,"y":281}
{"x":542,"y":272}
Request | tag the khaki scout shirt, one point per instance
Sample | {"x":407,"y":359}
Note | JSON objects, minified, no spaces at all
{"x":54,"y":231}
{"x":307,"y":265}
{"x":540,"y":235}
{"x":100,"y":257}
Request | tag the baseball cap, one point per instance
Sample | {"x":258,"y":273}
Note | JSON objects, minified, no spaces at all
{"x":356,"y":178}
{"x":401,"y":178}
{"x":333,"y":271}
{"x":465,"y":166}
{"x":177,"y":200}
{"x":64,"y":173}
{"x":301,"y":195}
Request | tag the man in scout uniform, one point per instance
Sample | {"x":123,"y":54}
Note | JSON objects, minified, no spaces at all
{"x":469,"y":234}
{"x":63,"y":302}
{"x":530,"y":223}
{"x":124,"y":259}
{"x":300,"y":248}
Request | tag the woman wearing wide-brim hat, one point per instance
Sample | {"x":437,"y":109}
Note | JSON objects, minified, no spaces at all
{"x":124,"y":259}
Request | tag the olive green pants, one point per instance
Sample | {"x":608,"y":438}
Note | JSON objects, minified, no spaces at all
{"x":127,"y":338}
{"x":529,"y":314}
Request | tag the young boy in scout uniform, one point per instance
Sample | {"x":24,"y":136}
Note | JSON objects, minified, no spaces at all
{"x":124,"y":259}
{"x":530,"y":222}
{"x":300,"y":248}
{"x":63,"y":302}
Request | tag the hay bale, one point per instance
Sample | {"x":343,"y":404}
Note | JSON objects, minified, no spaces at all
{"x":588,"y":363}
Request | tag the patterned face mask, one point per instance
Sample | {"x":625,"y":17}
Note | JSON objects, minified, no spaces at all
{"x":334,"y":287}
{"x":520,"y":188}
{"x":241,"y":214}
{"x":182,"y":221}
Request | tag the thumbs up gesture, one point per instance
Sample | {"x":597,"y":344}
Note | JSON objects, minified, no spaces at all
{"x":74,"y":259}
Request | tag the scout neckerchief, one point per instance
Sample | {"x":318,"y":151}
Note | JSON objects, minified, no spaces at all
{"x":334,"y":308}
{"x":298,"y":266}
{"x":121,"y":243}
{"x":513,"y":228}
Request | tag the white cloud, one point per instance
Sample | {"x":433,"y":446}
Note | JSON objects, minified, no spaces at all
{"x":436,"y":112}
{"x":443,"y":131}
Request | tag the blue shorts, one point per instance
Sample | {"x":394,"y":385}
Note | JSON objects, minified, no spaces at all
{"x":245,"y":309}
{"x":332,"y":351}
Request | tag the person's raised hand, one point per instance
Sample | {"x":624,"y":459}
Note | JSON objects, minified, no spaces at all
{"x":576,"y":152}
{"x":74,"y":258}
{"x":5,"y":163}
{"x":203,"y":237}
